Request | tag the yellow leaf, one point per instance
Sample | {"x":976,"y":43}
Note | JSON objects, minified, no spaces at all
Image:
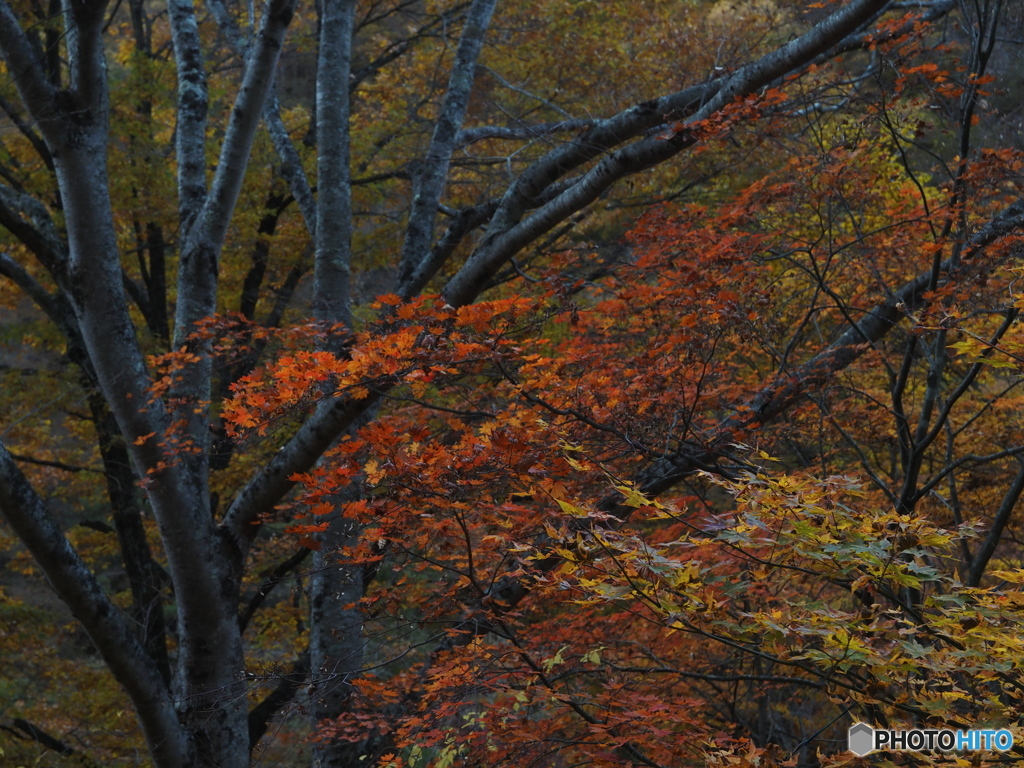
{"x":373,"y":472}
{"x":571,"y":509}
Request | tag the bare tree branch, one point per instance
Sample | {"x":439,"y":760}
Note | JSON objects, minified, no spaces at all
{"x":291,"y":164}
{"x":37,"y":734}
{"x":291,"y":169}
{"x":995,"y":532}
{"x":287,"y":687}
{"x":54,"y":464}
{"x":43,"y":299}
{"x":193,"y":105}
{"x":507,"y":235}
{"x":469,"y":136}
{"x":29,"y":220}
{"x":462,"y":224}
{"x":28,"y":132}
{"x":102,"y":620}
{"x":429,"y":181}
{"x":197,"y":274}
{"x":271,"y":483}
{"x":25,"y":63}
{"x":276,"y":577}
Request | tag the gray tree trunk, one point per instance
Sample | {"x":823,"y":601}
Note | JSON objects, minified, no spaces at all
{"x":335,"y":622}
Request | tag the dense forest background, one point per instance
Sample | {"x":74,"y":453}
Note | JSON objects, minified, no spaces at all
{"x":537,"y":383}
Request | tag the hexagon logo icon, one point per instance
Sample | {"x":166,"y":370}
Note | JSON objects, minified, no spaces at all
{"x":861,"y":739}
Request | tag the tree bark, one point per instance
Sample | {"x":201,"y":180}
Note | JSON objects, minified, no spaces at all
{"x":335,"y":620}
{"x":334,"y":194}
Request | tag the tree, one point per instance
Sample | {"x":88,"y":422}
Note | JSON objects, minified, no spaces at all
{"x":527,"y":356}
